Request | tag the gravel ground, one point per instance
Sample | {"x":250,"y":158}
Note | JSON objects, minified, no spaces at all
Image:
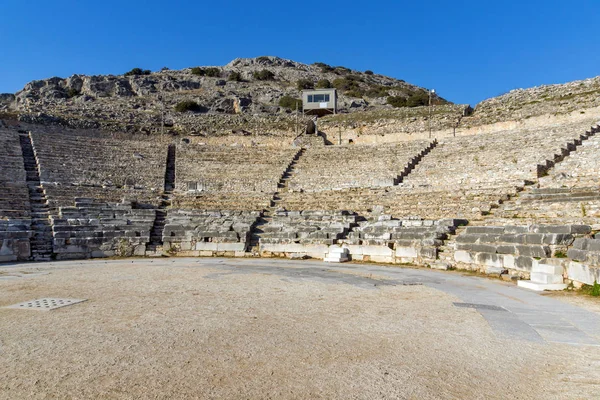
{"x":165,"y":329}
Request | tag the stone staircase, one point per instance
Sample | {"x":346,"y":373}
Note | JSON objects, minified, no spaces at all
{"x":267,"y":215}
{"x":41,"y":242}
{"x":154,"y":247}
{"x":545,"y":276}
{"x":414,"y":162}
{"x":532,"y":203}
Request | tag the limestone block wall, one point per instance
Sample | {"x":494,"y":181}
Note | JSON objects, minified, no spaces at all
{"x":385,"y":239}
{"x":207,"y":233}
{"x":585,"y":264}
{"x":95,"y":229}
{"x":377,"y":239}
{"x":14,"y":239}
{"x":308,"y":232}
{"x":518,"y":249}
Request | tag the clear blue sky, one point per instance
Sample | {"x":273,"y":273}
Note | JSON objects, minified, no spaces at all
{"x":468,"y":51}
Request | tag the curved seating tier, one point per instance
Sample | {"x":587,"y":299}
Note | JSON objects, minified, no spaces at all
{"x":341,"y":167}
{"x":108,"y":169}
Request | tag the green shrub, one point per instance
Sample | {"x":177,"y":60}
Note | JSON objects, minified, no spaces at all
{"x":71,"y":92}
{"x":369,"y":72}
{"x":345,"y":84}
{"x":560,"y":254}
{"x":263,"y":75}
{"x":235,"y":77}
{"x":417,"y":99}
{"x":138,"y":71}
{"x":290,"y":102}
{"x":341,"y":70}
{"x":396,"y":101}
{"x":324,"y":67}
{"x":354,"y":93}
{"x":324,"y":84}
{"x":213,"y":72}
{"x":198,"y":71}
{"x":187,"y":105}
{"x":305,"y":84}
{"x":595,"y":289}
{"x":378,"y":91}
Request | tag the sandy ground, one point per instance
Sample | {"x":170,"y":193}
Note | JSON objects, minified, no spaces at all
{"x":187,"y":329}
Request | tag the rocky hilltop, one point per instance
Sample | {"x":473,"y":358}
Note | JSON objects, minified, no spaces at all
{"x":246,"y":94}
{"x":259,"y":96}
{"x":521,"y":104}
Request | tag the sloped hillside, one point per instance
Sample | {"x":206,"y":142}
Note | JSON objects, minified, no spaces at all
{"x":244,"y":94}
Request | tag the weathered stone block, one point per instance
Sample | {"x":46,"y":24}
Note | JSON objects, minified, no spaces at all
{"x":583,"y":273}
{"x":533,"y":251}
{"x":463,"y":257}
{"x":489,"y":259}
{"x":406,"y":252}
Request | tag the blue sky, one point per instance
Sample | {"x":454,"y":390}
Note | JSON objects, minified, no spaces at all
{"x":468,"y":51}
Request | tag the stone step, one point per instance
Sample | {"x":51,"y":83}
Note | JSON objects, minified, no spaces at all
{"x":547,"y":269}
{"x":541,"y":277}
{"x":539,"y":287}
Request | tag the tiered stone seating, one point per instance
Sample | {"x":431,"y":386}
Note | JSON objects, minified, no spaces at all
{"x":227,"y":177}
{"x":308,"y":232}
{"x":109,"y":169}
{"x":235,"y":201}
{"x":15,"y":209}
{"x":402,"y":202}
{"x":308,"y":227}
{"x":383,"y":238}
{"x":462,"y":177}
{"x":516,"y":248}
{"x":207,"y":233}
{"x":570,"y":192}
{"x":341,"y":167}
{"x":14,"y":196}
{"x":96,"y":229}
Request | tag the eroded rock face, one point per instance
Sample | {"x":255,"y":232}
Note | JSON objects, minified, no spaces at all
{"x":121,"y":102}
{"x":134,"y":102}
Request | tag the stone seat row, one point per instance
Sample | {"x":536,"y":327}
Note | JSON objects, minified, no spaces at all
{"x":66,"y":195}
{"x":94,"y":228}
{"x":77,"y":165}
{"x":189,"y":232}
{"x":231,"y":169}
{"x":331,"y":167}
{"x":508,"y":156}
{"x":307,"y":227}
{"x":514,"y":247}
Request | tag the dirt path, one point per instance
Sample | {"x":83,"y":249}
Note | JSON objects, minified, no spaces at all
{"x":229,"y":329}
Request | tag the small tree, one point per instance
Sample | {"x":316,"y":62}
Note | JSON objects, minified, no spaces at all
{"x":417,"y":99}
{"x":198,"y":71}
{"x":324,"y":84}
{"x":235,"y":77}
{"x":290,"y":102}
{"x":324,"y":67}
{"x":305,"y":84}
{"x":187,"y":105}
{"x":263,"y":75}
{"x":138,"y":71}
{"x":396,"y":101}
{"x":213,"y":72}
{"x":369,"y":72}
